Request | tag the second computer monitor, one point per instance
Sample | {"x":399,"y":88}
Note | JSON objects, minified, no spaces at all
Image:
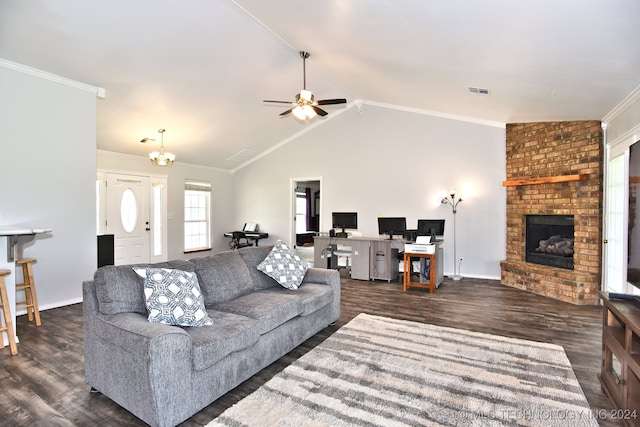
{"x":431,"y":227}
{"x":392,"y":225}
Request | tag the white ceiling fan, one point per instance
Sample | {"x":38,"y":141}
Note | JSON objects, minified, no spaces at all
{"x":305,"y":106}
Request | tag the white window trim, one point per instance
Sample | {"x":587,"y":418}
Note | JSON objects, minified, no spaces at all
{"x":192,"y":186}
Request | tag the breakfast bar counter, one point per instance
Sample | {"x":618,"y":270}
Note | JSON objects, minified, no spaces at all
{"x":11,"y":237}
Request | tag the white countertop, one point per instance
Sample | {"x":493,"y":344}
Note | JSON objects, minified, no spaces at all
{"x":11,"y":230}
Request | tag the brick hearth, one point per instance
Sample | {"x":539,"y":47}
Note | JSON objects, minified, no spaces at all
{"x":548,"y":150}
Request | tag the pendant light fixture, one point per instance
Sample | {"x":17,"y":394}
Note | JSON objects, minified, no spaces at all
{"x":160,"y":158}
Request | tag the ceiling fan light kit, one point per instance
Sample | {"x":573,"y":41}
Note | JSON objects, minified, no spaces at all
{"x":305,"y":106}
{"x":304,"y":112}
{"x":160,"y":158}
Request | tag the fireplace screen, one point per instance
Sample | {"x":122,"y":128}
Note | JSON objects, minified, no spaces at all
{"x":549,"y":240}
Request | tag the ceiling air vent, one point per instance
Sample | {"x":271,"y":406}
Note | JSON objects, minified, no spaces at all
{"x":242,"y":155}
{"x":479,"y":90}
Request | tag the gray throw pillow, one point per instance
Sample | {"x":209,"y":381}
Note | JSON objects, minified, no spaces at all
{"x":284,"y":266}
{"x":173,"y":297}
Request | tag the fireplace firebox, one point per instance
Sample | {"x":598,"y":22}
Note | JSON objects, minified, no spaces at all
{"x":549,"y":240}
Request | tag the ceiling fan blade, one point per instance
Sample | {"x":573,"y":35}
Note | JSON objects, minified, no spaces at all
{"x":319,"y":111}
{"x":279,"y":102}
{"x":332,"y":101}
{"x":286,"y":112}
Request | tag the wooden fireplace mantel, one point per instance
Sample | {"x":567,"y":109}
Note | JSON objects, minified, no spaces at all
{"x":546,"y":180}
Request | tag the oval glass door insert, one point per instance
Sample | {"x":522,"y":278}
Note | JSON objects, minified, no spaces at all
{"x":128,"y":210}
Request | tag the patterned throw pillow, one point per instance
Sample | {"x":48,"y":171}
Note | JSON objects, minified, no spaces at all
{"x":284,"y":266}
{"x":173,"y":297}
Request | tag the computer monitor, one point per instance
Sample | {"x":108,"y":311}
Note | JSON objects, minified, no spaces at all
{"x":431,"y":227}
{"x":392,"y":226}
{"x":344,"y":220}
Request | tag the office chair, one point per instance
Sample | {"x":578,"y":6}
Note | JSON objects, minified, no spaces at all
{"x":239,"y":240}
{"x":346,"y":252}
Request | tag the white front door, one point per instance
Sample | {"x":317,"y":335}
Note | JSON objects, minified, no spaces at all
{"x":128,"y":217}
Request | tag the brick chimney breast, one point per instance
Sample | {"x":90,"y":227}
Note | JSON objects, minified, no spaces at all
{"x":558,"y":170}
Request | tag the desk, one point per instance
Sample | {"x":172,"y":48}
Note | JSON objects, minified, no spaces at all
{"x":10,"y":237}
{"x":371,"y":257}
{"x":251,"y":235}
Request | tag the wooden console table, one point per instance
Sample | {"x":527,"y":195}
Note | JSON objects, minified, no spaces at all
{"x":407,"y":283}
{"x":620,"y":374}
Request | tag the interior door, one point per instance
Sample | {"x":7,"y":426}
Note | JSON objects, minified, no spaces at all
{"x":302,"y":209}
{"x":128,"y":217}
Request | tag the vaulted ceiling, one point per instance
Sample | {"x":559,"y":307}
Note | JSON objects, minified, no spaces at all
{"x":201,"y":68}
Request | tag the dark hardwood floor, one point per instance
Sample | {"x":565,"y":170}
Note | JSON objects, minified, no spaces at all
{"x":44,"y":384}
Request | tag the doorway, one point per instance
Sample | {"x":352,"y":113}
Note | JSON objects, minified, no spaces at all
{"x":306,"y":207}
{"x":133,"y":208}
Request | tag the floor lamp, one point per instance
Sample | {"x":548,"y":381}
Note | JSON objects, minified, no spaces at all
{"x":451,"y":200}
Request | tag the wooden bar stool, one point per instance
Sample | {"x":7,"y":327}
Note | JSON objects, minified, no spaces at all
{"x":4,"y":304}
{"x":30,"y":301}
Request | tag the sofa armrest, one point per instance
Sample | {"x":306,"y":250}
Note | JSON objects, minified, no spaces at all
{"x":132,"y":361}
{"x":330,"y":278}
{"x":322,"y":276}
{"x":130,"y":331}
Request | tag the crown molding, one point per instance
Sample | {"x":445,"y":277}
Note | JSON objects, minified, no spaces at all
{"x":295,"y":136}
{"x":357,"y":104}
{"x":631,"y":99}
{"x":24,"y":69}
{"x":435,"y":114}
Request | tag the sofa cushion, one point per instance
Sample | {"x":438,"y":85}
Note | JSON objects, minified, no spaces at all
{"x":173,"y":297}
{"x":313,"y":296}
{"x":223,"y":277}
{"x":284,"y":266}
{"x":231,"y":333}
{"x":270,"y":309}
{"x":120,"y":290}
{"x":252,"y":257}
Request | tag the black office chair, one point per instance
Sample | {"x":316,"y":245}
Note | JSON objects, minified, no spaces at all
{"x":239,"y":240}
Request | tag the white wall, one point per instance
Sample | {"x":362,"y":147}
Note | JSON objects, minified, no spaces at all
{"x":222,"y":215}
{"x":48,"y":178}
{"x":391,"y":163}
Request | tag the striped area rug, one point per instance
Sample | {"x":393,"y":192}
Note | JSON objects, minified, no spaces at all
{"x":377,"y":371}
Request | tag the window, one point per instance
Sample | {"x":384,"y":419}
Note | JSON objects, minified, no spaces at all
{"x":197,"y":221}
{"x":158,"y":223}
{"x":301,"y":212}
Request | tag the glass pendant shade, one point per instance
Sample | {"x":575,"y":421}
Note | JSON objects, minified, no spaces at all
{"x":162,"y":158}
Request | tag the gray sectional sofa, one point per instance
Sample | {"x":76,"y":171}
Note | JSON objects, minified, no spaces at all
{"x":164,"y":374}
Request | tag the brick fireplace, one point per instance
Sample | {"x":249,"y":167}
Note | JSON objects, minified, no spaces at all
{"x":555,"y":168}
